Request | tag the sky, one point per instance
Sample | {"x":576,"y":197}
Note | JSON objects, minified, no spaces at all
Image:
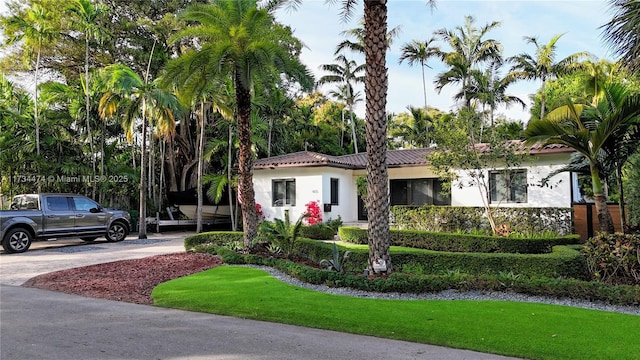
{"x":318,"y":25}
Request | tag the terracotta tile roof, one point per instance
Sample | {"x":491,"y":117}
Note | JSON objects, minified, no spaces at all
{"x":395,"y":158}
{"x":301,"y":159}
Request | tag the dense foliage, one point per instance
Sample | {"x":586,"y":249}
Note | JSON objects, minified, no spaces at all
{"x":519,"y":221}
{"x":439,"y":241}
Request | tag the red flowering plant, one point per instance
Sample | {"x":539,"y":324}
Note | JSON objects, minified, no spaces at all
{"x":313,"y":212}
{"x":259,"y":212}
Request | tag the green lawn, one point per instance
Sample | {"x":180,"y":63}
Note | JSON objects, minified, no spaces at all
{"x":526,"y":330}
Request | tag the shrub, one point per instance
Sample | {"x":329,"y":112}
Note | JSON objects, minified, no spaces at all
{"x":282,"y":233}
{"x":472,"y":219}
{"x":218,"y":238}
{"x":318,"y":232}
{"x":454,"y":279}
{"x":334,"y":223}
{"x":614,"y":258}
{"x":314,"y":216}
{"x":461,"y":242}
{"x":337,"y":262}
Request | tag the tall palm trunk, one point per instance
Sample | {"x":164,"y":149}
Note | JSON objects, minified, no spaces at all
{"x":200,"y":168}
{"x":543,"y":97}
{"x":142,"y":221}
{"x":424,"y":85}
{"x":604,"y":216}
{"x":353,"y":125}
{"x":232,"y":208}
{"x":172,"y":180}
{"x":35,"y":105}
{"x":87,"y":111}
{"x":376,"y":84}
{"x":245,"y":181}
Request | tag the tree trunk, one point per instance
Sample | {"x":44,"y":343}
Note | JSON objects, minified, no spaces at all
{"x":200,"y":169}
{"x":172,"y":180}
{"x":376,"y":84}
{"x":543,"y":97}
{"x":245,"y":181}
{"x":142,"y":221}
{"x":88,"y":111}
{"x":623,"y":213}
{"x":604,"y":216}
{"x":232,"y":208}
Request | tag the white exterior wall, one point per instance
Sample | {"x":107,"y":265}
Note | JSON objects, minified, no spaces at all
{"x":312,"y":184}
{"x":556,"y":194}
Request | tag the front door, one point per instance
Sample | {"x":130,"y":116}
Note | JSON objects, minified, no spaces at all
{"x":362,"y":209}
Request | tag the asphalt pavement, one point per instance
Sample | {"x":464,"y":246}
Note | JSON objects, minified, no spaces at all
{"x":40,"y":324}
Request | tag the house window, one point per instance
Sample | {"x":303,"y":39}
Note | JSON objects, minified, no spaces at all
{"x":425,"y":191}
{"x":508,"y":186}
{"x":334,"y":191}
{"x":440,"y":196}
{"x":284,"y":192}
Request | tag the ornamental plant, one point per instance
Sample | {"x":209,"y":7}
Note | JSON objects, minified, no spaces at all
{"x":314,"y":216}
{"x":259,"y":212}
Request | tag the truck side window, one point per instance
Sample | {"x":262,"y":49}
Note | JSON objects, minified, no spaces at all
{"x":57,"y":203}
{"x":83,"y":204}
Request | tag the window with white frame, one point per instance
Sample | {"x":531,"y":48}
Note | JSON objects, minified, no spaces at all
{"x":284,"y":192}
{"x":508,"y":186}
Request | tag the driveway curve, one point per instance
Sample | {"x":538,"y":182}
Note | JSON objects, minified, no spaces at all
{"x":40,"y":324}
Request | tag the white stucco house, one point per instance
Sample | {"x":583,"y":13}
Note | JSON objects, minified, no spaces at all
{"x":288,"y":182}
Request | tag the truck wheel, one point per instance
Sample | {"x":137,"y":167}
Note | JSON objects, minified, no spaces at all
{"x":117,"y":232}
{"x":17,"y":240}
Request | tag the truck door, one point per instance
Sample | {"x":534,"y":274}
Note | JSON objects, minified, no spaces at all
{"x":59,"y":217}
{"x":90,"y":218}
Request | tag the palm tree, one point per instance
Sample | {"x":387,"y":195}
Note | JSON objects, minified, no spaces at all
{"x":240,"y":40}
{"x":419,"y":52}
{"x":36,"y":29}
{"x":346,"y":73}
{"x":132,"y":98}
{"x":376,"y":86}
{"x":622,"y":32}
{"x":591,"y":130}
{"x":358,"y":34}
{"x":543,"y":65}
{"x":16,"y":115}
{"x":345,"y":94}
{"x":413,"y":127}
{"x":468,"y":50}
{"x":85,"y":15}
{"x":491,"y":90}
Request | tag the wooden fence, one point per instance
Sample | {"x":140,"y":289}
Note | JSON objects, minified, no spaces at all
{"x":585,"y":219}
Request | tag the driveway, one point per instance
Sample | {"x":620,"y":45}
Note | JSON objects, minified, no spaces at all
{"x":40,"y":324}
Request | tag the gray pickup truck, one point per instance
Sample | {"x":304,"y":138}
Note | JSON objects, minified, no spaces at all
{"x":48,"y":216}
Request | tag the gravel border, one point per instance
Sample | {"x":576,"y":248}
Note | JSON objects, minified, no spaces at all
{"x":451,"y":295}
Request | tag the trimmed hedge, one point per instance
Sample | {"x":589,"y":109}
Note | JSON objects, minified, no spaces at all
{"x":457,"y":218}
{"x":212,"y":238}
{"x":397,"y":282}
{"x":461,"y":242}
{"x":317,"y":231}
{"x":562,"y":262}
